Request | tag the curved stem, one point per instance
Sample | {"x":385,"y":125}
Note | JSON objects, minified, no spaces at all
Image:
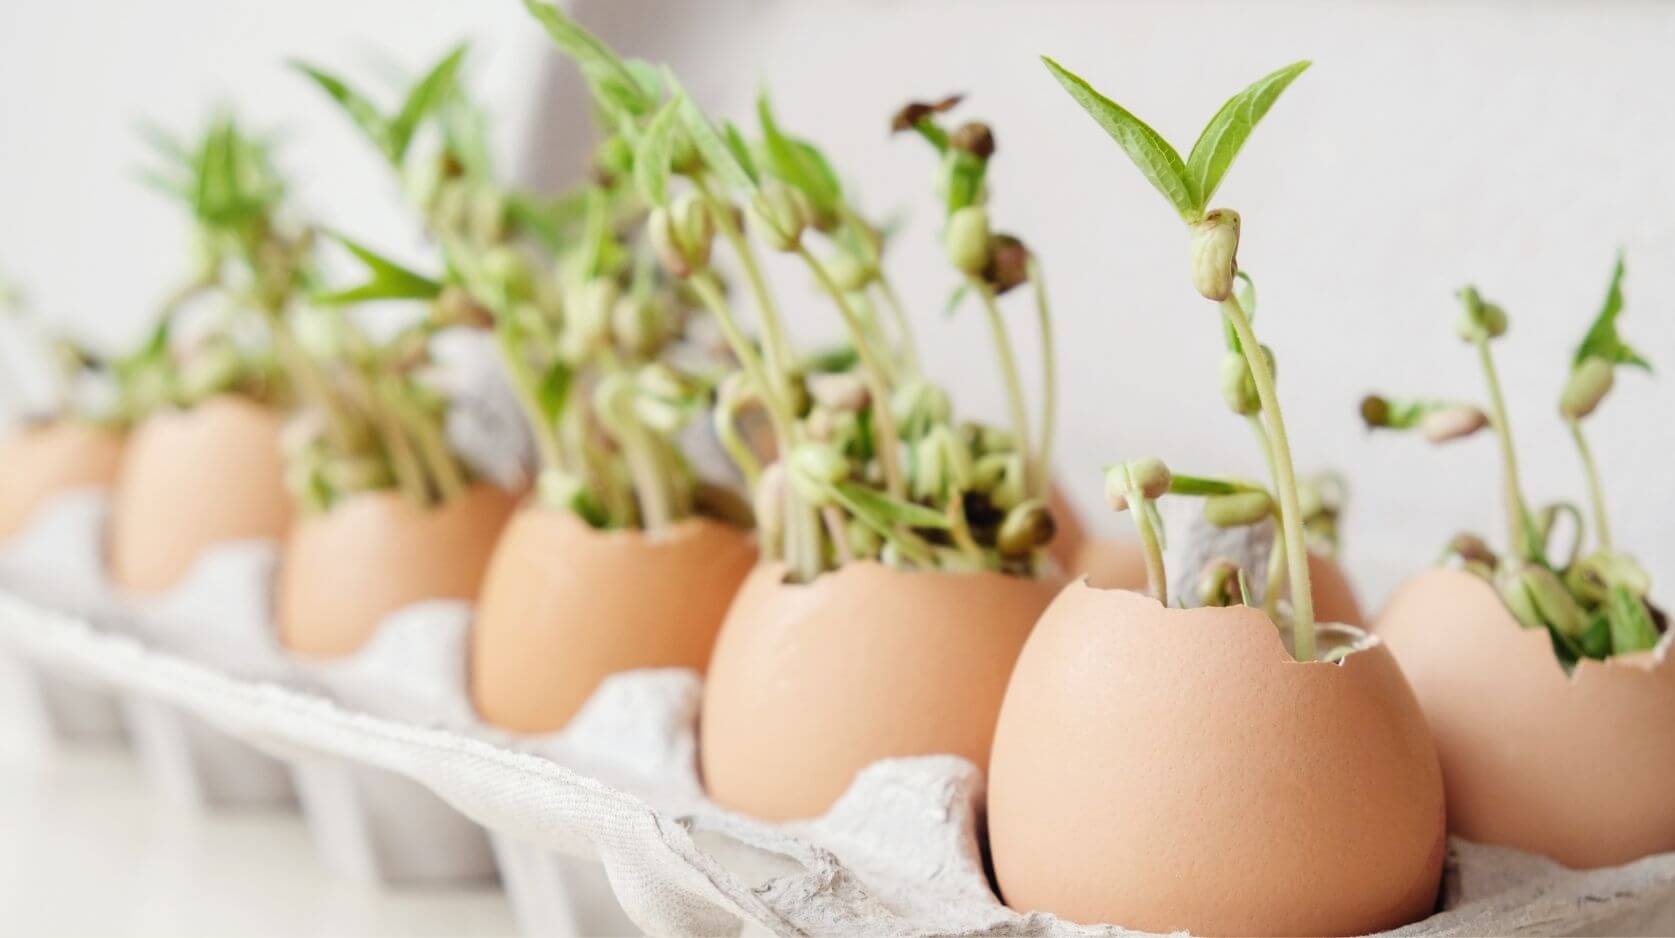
{"x":779,"y":356}
{"x":547,"y":445}
{"x":1285,"y":482}
{"x":1049,"y":374}
{"x":1516,"y":514}
{"x":907,"y":344}
{"x":1157,"y":582}
{"x":1014,"y":385}
{"x":1596,"y":492}
{"x":1276,"y":554}
{"x":885,"y":442}
{"x":432,"y":447}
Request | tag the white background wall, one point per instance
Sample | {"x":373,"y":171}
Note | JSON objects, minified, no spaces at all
{"x":1511,"y":145}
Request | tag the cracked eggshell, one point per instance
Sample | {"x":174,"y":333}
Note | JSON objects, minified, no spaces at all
{"x":810,"y":683}
{"x":1577,"y":767}
{"x":192,"y":479}
{"x":374,"y":553}
{"x":43,"y":461}
{"x":565,"y":605}
{"x":1168,"y":769}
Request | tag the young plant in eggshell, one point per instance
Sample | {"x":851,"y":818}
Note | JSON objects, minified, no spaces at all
{"x":903,"y":553}
{"x":1226,"y":769}
{"x":203,"y":468}
{"x":1542,"y":670}
{"x":624,"y":557}
{"x":72,"y":443}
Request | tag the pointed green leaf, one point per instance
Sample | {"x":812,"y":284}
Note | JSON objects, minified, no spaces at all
{"x":798,"y":163}
{"x":1226,"y":132}
{"x":611,"y":79}
{"x":554,"y":391}
{"x":1201,"y":486}
{"x":741,"y":150}
{"x":1602,"y":340}
{"x":387,"y":280}
{"x":881,"y":509}
{"x":652,"y":153}
{"x":713,"y":148}
{"x":1152,"y":155}
{"x":425,"y":96}
{"x":360,"y":110}
{"x":1632,"y":628}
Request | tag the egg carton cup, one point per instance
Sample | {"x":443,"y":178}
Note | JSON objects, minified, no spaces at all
{"x":898,"y":854}
{"x":58,"y":558}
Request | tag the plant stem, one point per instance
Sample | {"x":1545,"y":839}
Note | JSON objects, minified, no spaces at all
{"x":1515,"y":511}
{"x":1596,"y":493}
{"x":433,"y":448}
{"x":547,"y":445}
{"x":404,"y":462}
{"x":1049,"y":375}
{"x":885,"y":441}
{"x":1014,"y":385}
{"x":1285,"y":482}
{"x":310,"y":383}
{"x":1276,"y":554}
{"x":1157,"y":581}
{"x":833,"y":517}
{"x":907,"y":344}
{"x":779,"y":357}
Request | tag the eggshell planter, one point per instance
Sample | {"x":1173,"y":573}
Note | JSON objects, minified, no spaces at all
{"x":45,"y":461}
{"x":565,"y":605}
{"x":344,"y":570}
{"x":1167,"y":769}
{"x":1573,"y":766}
{"x":190,"y":480}
{"x":810,"y":683}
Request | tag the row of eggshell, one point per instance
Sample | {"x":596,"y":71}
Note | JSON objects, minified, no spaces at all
{"x":1139,"y":754}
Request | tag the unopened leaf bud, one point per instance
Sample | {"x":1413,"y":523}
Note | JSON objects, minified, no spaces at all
{"x":1553,"y":600}
{"x":815,"y":467}
{"x":1008,"y":265}
{"x":1215,"y":250}
{"x":974,"y":137}
{"x":849,"y":272}
{"x":1478,"y":317}
{"x":1588,"y":385}
{"x":1238,"y":387}
{"x":1218,"y":585}
{"x":694,"y":228}
{"x":778,"y":215}
{"x":1146,"y":477}
{"x":966,"y":240}
{"x":639,"y":324}
{"x":1238,"y":510}
{"x":1026,"y":528}
{"x":1453,"y":422}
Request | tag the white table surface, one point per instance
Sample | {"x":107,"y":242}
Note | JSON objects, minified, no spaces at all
{"x":85,"y":849}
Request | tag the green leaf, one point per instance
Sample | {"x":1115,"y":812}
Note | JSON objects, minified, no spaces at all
{"x":878,"y":508}
{"x":1632,"y":628}
{"x":1199,"y":485}
{"x":612,"y":81}
{"x":741,"y":149}
{"x":653,"y":152}
{"x":1602,"y":340}
{"x":425,"y":96}
{"x":798,"y":163}
{"x":1152,"y":154}
{"x":956,"y":299}
{"x":554,"y":391}
{"x":360,"y":110}
{"x":387,"y":280}
{"x":553,"y":221}
{"x":1226,"y":132}
{"x":735,"y":172}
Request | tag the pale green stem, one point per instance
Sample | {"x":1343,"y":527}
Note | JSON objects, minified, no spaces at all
{"x":1276,"y":554}
{"x":1157,"y":581}
{"x":1014,"y":385}
{"x":833,"y":517}
{"x":1515,"y":511}
{"x":1049,"y":376}
{"x":907,"y":344}
{"x":779,"y":356}
{"x":404,"y":462}
{"x":1596,"y":492}
{"x":310,"y":383}
{"x":885,"y":442}
{"x":433,"y":449}
{"x":523,"y":387}
{"x":1285,"y":482}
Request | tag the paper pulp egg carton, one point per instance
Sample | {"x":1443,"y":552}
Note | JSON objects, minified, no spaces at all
{"x":58,"y":558}
{"x":618,"y":793}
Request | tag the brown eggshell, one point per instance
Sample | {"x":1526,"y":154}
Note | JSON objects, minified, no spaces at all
{"x":193,"y":479}
{"x":44,"y":461}
{"x":1111,"y":563}
{"x":346,"y":569}
{"x":1334,"y":598}
{"x":565,"y":605}
{"x":1070,"y":538}
{"x":1577,"y":767}
{"x":810,"y":683}
{"x":1165,"y":769}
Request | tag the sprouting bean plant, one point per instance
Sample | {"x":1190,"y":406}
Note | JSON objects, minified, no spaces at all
{"x":862,"y":459}
{"x":1593,"y":604}
{"x":1189,"y":185}
{"x":588,"y":327}
{"x":281,"y":338}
